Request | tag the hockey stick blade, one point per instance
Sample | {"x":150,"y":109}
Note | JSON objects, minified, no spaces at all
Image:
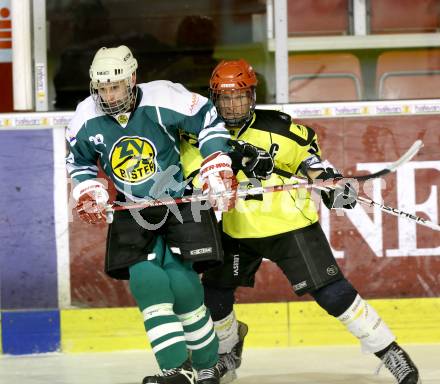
{"x":407,"y":156}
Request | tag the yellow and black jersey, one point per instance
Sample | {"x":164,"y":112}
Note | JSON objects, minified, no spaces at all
{"x":272,"y":213}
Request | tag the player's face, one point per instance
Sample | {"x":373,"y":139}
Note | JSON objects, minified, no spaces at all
{"x":234,"y":104}
{"x":113,"y":93}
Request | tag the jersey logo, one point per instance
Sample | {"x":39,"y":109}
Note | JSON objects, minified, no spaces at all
{"x":194,"y":100}
{"x":332,"y":270}
{"x":236,"y":265}
{"x":122,"y":119}
{"x":133,"y":159}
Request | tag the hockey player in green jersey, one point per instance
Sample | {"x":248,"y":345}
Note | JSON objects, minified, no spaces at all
{"x":132,"y":131}
{"x":284,"y":228}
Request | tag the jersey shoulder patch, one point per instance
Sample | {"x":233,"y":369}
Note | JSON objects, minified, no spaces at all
{"x":284,"y":117}
{"x":172,"y":96}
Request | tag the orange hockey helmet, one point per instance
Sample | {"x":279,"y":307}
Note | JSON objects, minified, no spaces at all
{"x":232,"y":90}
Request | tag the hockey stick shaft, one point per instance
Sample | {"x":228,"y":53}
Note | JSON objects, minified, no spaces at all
{"x":397,"y":212}
{"x":385,"y":208}
{"x":241,"y":193}
{"x":407,"y":156}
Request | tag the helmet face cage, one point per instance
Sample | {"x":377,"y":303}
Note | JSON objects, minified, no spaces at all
{"x":233,"y":91}
{"x":124,"y":96}
{"x":113,"y":80}
{"x":236,"y":106}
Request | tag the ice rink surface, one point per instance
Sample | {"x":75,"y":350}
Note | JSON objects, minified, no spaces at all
{"x":317,"y":365}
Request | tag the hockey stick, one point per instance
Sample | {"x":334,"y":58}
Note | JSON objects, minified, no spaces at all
{"x":407,"y":156}
{"x":385,"y":208}
{"x":240,"y":193}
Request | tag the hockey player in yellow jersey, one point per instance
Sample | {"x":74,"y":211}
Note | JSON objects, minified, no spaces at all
{"x":284,"y":228}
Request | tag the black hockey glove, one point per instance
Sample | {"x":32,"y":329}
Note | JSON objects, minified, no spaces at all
{"x":342,"y":196}
{"x":253,"y":161}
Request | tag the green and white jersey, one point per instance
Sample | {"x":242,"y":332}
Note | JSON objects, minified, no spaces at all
{"x":140,"y":151}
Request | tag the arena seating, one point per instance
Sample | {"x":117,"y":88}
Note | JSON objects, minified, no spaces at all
{"x":324,"y":77}
{"x":408,"y":74}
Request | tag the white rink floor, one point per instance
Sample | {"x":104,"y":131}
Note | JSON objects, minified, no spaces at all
{"x":317,"y":365}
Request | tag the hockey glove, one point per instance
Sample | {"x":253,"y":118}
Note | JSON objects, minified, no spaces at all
{"x":341,"y":196}
{"x":91,"y":197}
{"x":255,"y":162}
{"x":217,"y":180}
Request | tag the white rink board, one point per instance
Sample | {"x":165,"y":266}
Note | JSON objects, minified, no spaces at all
{"x":39,"y":120}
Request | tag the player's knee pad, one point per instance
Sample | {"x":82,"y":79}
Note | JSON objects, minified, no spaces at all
{"x":335,"y":297}
{"x":219,"y":301}
{"x":364,"y":323}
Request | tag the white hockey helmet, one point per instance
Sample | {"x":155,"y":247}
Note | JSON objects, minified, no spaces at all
{"x":113,"y":66}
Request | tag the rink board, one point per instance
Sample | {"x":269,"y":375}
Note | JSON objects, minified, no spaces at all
{"x":270,"y":325}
